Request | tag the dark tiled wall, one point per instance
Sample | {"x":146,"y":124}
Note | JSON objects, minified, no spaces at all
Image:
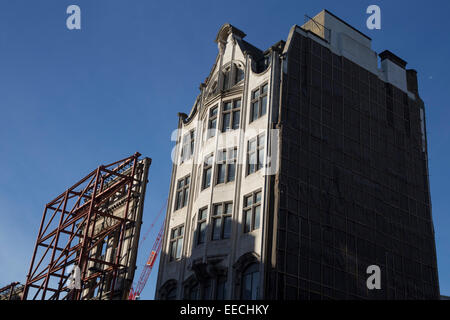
{"x":353,"y":185}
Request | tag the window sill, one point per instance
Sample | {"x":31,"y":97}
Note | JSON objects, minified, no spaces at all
{"x":250,"y":232}
{"x":249,"y":174}
{"x":175,"y":210}
{"x":224,"y":183}
{"x":257,"y":119}
{"x":229,"y":130}
{"x":176,"y":260}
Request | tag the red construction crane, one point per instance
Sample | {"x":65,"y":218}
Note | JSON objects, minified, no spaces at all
{"x":136,"y":292}
{"x":154,"y":222}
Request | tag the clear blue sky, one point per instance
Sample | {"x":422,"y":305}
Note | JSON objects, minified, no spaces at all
{"x":140,"y":62}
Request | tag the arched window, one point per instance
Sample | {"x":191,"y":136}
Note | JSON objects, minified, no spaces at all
{"x":232,"y":75}
{"x":226,"y":78}
{"x":168,"y":290}
{"x":250,"y":282}
{"x":194,"y":292}
{"x":172,"y":294}
{"x":239,"y":74}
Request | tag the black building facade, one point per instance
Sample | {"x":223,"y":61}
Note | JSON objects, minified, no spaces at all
{"x":353,"y":188}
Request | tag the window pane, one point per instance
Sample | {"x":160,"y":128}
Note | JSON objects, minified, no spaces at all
{"x":257,"y":216}
{"x":248,"y":201}
{"x":221,"y":155}
{"x":207,"y":178}
{"x":261,"y":140}
{"x":183,"y":153}
{"x":229,"y":156}
{"x":186,"y":196}
{"x":232,"y":155}
{"x":201,"y":232}
{"x":227,"y":106}
{"x":213,"y":112}
{"x":173,"y":246}
{"x":220,"y":173}
{"x":228,"y":208}
{"x":226,"y":79}
{"x":258,"y":197}
{"x":264,"y":88}
{"x":260,"y":158}
{"x":236,"y":119}
{"x":252,"y":145}
{"x":247,"y":220}
{"x":217,"y":222}
{"x":178,"y":199}
{"x":202,"y":214}
{"x":217,"y":209}
{"x":226,"y":227}
{"x":179,"y":247}
{"x":254,"y":111}
{"x":191,"y":152}
{"x":247,"y":287}
{"x":237,"y":104}
{"x":187,"y":148}
{"x":231,"y":172}
{"x":212,"y":128}
{"x":250,"y":168}
{"x":239,"y":75}
{"x":226,"y":121}
{"x":252,"y":159}
{"x":255,"y":285}
{"x":250,"y":283}
{"x":263,"y":105}
{"x":255,"y":94}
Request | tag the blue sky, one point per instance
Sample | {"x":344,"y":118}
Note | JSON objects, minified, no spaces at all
{"x":140,"y":62}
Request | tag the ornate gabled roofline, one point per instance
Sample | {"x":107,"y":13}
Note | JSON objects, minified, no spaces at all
{"x":221,"y":38}
{"x":225,"y":31}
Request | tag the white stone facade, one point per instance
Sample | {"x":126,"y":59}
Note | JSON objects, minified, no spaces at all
{"x":220,"y":255}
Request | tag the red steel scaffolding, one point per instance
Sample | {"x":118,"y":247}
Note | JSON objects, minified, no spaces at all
{"x":73,"y":228}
